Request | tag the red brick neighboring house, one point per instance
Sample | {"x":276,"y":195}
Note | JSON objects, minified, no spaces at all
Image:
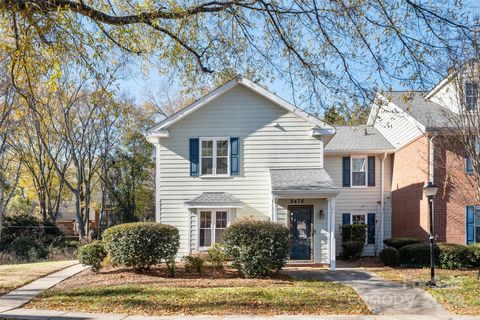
{"x":417,"y":125}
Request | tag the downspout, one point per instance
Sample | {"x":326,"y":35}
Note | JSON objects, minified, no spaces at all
{"x":382,"y":201}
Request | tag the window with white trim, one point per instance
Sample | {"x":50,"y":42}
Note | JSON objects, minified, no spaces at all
{"x":359,"y":219}
{"x":215,"y":156}
{"x":359,"y":171}
{"x":212,"y":225}
{"x":471,"y":92}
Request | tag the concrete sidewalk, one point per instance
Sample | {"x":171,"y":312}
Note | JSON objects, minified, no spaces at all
{"x":381,"y":296}
{"x":57,"y":315}
{"x":22,"y":295}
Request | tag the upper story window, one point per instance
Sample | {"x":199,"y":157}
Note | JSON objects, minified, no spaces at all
{"x":471,"y":92}
{"x":359,"y":171}
{"x":214,"y":156}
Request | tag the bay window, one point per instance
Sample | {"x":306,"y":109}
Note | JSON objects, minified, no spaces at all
{"x":212,"y":225}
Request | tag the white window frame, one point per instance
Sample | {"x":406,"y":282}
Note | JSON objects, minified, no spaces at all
{"x":366,"y":170}
{"x":213,"y":228}
{"x":214,"y":156}
{"x":473,"y":95}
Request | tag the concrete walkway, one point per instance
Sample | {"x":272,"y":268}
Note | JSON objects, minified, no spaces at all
{"x":381,"y":296}
{"x":22,"y":295}
{"x":57,"y":315}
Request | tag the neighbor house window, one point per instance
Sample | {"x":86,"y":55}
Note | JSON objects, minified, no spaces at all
{"x":212,"y":225}
{"x":471,"y":92}
{"x":359,"y":171}
{"x":215,"y":156}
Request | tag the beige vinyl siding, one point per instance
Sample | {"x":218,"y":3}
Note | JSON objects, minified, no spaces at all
{"x":396,"y":125}
{"x":237,"y":113}
{"x":362,"y":200}
{"x":320,"y":234}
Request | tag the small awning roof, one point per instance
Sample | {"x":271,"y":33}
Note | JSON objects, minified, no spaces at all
{"x":302,"y":182}
{"x":214,"y":200}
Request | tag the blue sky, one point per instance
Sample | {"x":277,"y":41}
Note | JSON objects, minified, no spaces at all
{"x":139,"y":86}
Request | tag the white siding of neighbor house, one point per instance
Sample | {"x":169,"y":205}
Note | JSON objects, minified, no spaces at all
{"x":237,"y":113}
{"x":362,"y":200}
{"x":448,"y":97}
{"x":320,"y":234}
{"x":395,"y":125}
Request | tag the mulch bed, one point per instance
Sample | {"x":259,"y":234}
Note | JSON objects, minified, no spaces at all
{"x":111,"y":276}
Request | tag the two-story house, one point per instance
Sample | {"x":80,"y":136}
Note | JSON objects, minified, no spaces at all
{"x":420,"y":127}
{"x":241,"y":151}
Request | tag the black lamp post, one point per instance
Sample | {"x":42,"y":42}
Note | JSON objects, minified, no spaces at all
{"x":430,"y":191}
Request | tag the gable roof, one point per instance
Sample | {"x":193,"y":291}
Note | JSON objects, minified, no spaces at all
{"x":426,"y":112}
{"x":164,"y":124}
{"x":358,"y":138}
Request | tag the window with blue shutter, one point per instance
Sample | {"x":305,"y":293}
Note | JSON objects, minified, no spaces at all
{"x":371,"y":171}
{"x":470,"y":210}
{"x":346,"y":218}
{"x":234,"y":156}
{"x":371,"y":228}
{"x":194,"y":157}
{"x":346,"y":171}
{"x":468,"y":165}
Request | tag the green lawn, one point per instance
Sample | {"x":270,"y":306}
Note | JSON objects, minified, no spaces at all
{"x":458,"y":290}
{"x":286,"y":297}
{"x":16,"y":275}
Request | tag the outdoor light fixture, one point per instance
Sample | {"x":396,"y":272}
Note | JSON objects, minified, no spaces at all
{"x":430,"y":191}
{"x":321,"y":214}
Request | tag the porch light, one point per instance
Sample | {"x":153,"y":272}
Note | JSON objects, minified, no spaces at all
{"x":321,"y":214}
{"x":430,"y":190}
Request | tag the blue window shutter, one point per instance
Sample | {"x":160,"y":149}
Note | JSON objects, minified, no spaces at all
{"x":346,"y":171}
{"x":346,"y":218}
{"x":194,"y":157}
{"x":470,"y":224}
{"x":468,"y":165}
{"x":371,"y":171}
{"x":234,"y":156}
{"x":371,"y":228}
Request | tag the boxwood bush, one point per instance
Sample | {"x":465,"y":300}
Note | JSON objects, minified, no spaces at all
{"x":453,"y":256}
{"x":141,"y":244}
{"x":92,"y":254}
{"x":352,"y":250}
{"x":398,"y":243}
{"x":354,"y":232}
{"x":390,"y":257}
{"x":418,"y":255}
{"x":258,"y":248}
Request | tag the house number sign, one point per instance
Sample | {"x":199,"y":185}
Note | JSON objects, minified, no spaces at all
{"x":297,"y":201}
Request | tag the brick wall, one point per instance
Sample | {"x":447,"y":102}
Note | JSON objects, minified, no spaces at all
{"x":410,"y":171}
{"x":456,"y":190}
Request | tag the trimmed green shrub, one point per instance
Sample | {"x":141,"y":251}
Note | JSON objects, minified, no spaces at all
{"x":258,"y":248}
{"x":390,"y":257}
{"x":398,"y":243}
{"x":92,"y":254}
{"x":352,"y":250}
{"x":475,"y":253}
{"x":193,"y":263}
{"x":141,"y":244}
{"x":453,"y":256}
{"x":418,"y":255}
{"x":354,"y":232}
{"x":217,"y":256}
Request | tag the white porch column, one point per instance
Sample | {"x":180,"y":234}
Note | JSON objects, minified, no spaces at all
{"x":331,"y":231}
{"x":274,"y":208}
{"x":158,"y":200}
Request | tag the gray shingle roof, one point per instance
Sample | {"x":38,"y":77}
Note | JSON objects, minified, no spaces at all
{"x":428,"y":113}
{"x":356,"y":138}
{"x":214,"y":199}
{"x":310,"y":179}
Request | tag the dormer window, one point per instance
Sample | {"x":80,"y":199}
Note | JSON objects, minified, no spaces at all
{"x":471,"y":92}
